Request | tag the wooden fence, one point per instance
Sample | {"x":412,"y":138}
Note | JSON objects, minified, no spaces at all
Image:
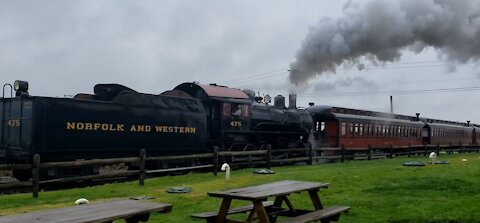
{"x":266,"y":158}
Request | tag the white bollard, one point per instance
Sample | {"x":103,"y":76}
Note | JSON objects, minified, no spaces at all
{"x":81,"y":201}
{"x":226,"y":168}
{"x":433,"y":156}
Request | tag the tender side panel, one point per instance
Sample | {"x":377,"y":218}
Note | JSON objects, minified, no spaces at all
{"x":72,"y":129}
{"x":17,"y":129}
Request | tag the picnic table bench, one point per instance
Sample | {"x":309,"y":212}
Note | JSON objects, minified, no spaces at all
{"x":211,"y":217}
{"x":267,"y":212}
{"x":133,"y":211}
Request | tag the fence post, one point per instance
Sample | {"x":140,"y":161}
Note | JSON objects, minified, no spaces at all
{"x":450,"y":149}
{"x":425,"y":150}
{"x":409,"y":150}
{"x":36,"y":175}
{"x":310,"y":154}
{"x":438,"y":149}
{"x":469,"y":147}
{"x":215,"y":160}
{"x":343,"y":153}
{"x":391,"y":151}
{"x":369,"y":155}
{"x":143,"y":158}
{"x":268,"y":156}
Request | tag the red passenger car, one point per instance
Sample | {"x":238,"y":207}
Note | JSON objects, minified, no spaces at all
{"x":447,"y":132}
{"x":334,"y":127}
{"x":476,"y":135}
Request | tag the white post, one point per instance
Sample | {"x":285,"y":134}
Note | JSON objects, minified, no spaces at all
{"x":226,"y":168}
{"x":433,"y":156}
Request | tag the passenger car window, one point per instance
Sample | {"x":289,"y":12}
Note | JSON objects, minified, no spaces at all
{"x":343,"y":128}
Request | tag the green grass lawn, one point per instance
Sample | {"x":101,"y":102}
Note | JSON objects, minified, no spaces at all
{"x":376,"y":191}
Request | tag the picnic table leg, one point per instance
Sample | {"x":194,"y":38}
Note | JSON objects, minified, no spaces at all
{"x":278,"y":204}
{"x":251,"y":216}
{"x":289,"y":204}
{"x":280,"y":199}
{"x":315,"y":199}
{"x":260,"y":210}
{"x":138,"y":218}
{"x":222,"y":213}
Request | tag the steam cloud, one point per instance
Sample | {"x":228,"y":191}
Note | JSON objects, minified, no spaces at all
{"x":379,"y":30}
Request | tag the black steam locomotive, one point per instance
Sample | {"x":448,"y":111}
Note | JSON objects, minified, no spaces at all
{"x":117,"y":121}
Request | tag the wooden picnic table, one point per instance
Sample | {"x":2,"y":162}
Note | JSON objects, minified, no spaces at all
{"x":132,"y":211}
{"x":258,"y":195}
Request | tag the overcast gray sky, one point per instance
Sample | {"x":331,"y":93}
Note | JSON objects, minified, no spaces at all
{"x":66,"y":47}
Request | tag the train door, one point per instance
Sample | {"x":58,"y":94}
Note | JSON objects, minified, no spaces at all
{"x":316,"y":137}
{"x":474,"y":136}
{"x":319,"y":130}
{"x":426,"y":135}
{"x":332,"y":132}
{"x":214,"y":118}
{"x":325,"y":132}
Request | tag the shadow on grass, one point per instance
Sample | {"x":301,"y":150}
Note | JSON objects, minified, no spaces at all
{"x":433,"y":221}
{"x":417,"y":185}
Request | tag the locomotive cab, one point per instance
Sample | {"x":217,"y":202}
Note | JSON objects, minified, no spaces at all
{"x":235,"y":117}
{"x":228,"y":112}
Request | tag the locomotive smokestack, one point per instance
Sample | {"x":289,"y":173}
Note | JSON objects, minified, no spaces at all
{"x":418,"y":116}
{"x":279,"y":101}
{"x":391,"y":104}
{"x":379,"y":30}
{"x":292,"y":101}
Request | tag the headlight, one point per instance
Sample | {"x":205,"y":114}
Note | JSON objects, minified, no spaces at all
{"x":21,"y":86}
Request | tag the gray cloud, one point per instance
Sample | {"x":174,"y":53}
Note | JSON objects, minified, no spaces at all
{"x":66,"y":47}
{"x":380,"y":29}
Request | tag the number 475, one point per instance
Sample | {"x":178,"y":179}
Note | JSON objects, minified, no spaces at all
{"x":13,"y":122}
{"x":236,"y":123}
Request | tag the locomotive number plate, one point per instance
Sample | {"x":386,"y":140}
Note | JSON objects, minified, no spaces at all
{"x":236,"y":123}
{"x":13,"y":122}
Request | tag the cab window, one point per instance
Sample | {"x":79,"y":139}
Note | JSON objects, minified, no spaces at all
{"x":227,"y":109}
{"x":237,"y":110}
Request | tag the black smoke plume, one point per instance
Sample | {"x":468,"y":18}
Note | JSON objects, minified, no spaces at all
{"x":378,"y":30}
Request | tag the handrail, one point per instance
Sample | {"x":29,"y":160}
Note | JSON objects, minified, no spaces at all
{"x":11,"y":90}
